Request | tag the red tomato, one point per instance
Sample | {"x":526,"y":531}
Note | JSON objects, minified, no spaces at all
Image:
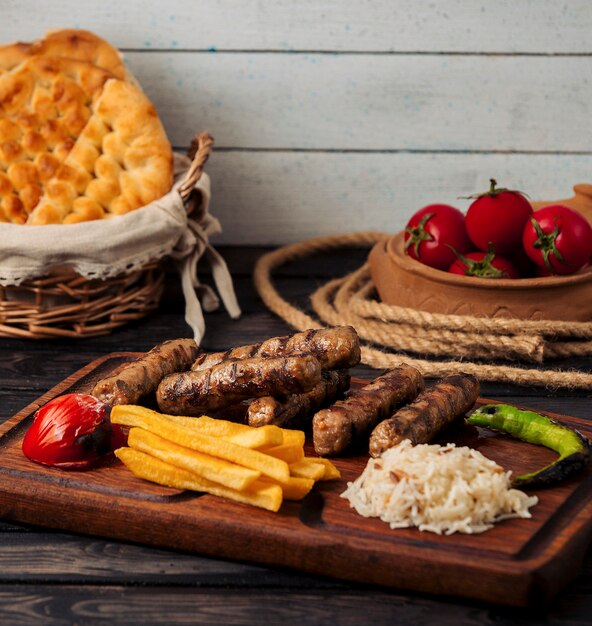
{"x":498,"y":217}
{"x":558,"y":239}
{"x":72,"y":432}
{"x":484,"y":265}
{"x":432,"y":232}
{"x":543,"y":272}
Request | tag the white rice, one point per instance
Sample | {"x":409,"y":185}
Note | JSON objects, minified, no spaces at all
{"x":443,"y":489}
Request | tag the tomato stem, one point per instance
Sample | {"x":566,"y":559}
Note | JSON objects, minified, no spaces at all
{"x":418,"y":234}
{"x":483,"y":268}
{"x":493,"y":191}
{"x":545,"y":242}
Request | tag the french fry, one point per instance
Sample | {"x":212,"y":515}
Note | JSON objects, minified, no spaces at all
{"x":258,"y":437}
{"x":295,"y":488}
{"x":307,"y":468}
{"x":265,"y":495}
{"x":259,"y":466}
{"x":209,"y":467}
{"x":288,"y":452}
{"x":294,"y":437}
{"x":331,"y":472}
{"x":239,"y":434}
{"x":214,"y":446}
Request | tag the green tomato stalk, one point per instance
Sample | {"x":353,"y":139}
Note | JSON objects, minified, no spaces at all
{"x":493,"y":191}
{"x":483,"y":268}
{"x":418,"y":233}
{"x":545,"y":242}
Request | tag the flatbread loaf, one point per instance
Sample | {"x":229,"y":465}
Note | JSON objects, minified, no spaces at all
{"x":69,"y":43}
{"x":76,"y":143}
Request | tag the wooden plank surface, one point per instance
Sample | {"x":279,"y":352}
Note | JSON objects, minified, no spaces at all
{"x":513,"y":563}
{"x":367,"y":25}
{"x":233,"y":27}
{"x":363,"y":102}
{"x":138,"y":606}
{"x":290,"y":196}
{"x":57,"y":578}
{"x":346,"y":115}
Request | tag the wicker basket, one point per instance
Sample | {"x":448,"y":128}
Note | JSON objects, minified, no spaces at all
{"x":66,"y":304}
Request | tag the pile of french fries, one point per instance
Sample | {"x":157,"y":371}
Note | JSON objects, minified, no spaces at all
{"x":258,"y":466}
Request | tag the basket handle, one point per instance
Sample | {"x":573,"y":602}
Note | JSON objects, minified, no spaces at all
{"x":199,"y":152}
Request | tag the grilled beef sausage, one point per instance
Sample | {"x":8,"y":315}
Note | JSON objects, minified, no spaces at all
{"x":296,"y":408}
{"x":335,"y":429}
{"x":229,"y":382}
{"x":336,"y":348}
{"x":132,"y":381}
{"x":431,"y":412}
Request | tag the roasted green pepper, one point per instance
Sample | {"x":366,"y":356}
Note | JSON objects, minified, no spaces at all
{"x":572,"y":447}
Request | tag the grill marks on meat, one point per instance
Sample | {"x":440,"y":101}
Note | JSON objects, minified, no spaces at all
{"x":337,"y":347}
{"x":294,"y":409}
{"x":229,"y":382}
{"x":288,"y":379}
{"x":335,"y":429}
{"x":431,"y":412}
{"x":132,"y":381}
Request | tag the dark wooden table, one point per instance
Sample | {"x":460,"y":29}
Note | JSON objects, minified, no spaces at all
{"x":52,"y":578}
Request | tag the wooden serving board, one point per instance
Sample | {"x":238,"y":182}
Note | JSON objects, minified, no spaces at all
{"x":518,"y":562}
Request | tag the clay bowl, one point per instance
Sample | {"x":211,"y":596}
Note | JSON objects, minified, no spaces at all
{"x":403,"y":281}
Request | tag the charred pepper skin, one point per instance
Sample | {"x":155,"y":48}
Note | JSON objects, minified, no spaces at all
{"x":573,"y":448}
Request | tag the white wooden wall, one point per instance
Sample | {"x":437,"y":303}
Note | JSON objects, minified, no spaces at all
{"x":340,"y":116}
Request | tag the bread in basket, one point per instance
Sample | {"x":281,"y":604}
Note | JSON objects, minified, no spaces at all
{"x":81,"y":149}
{"x":76,"y":143}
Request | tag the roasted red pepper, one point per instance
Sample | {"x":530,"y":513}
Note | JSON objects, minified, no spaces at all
{"x":72,"y":432}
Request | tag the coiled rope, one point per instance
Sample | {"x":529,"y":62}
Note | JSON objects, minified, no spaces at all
{"x":400,"y":330}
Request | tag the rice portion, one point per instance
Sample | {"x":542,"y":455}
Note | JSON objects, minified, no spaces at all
{"x":443,"y":489}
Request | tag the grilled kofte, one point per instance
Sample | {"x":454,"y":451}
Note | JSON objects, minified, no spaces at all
{"x":337,"y":347}
{"x":335,"y":429}
{"x":230,"y":382}
{"x":133,"y":381}
{"x":296,"y":408}
{"x":431,"y":412}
